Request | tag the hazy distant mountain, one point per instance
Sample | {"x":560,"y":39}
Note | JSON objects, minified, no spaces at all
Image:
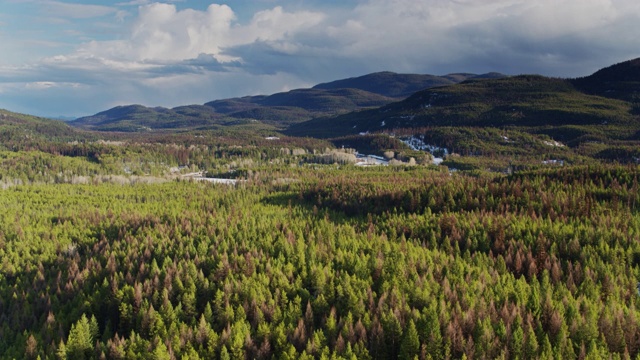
{"x":281,"y":109}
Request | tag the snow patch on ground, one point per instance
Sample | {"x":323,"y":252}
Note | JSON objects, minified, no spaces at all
{"x":553,"y":143}
{"x":217,"y":180}
{"x":370,"y":160}
{"x":199,"y":176}
{"x":417,"y":143}
{"x":553,"y":162}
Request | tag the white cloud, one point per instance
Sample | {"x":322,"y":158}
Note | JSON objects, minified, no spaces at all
{"x":133,"y":3}
{"x":74,"y":11}
{"x":166,"y":56}
{"x":44,"y":85}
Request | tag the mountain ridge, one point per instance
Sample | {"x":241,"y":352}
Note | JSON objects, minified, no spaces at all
{"x":524,"y":100}
{"x":279,"y":109}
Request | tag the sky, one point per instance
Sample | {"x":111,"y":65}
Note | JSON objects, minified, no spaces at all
{"x":75,"y":58}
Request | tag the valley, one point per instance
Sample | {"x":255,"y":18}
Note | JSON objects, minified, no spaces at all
{"x":384,"y":216}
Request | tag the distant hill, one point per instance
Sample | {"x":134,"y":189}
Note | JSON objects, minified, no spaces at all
{"x":619,"y":81}
{"x":20,"y":131}
{"x":527,"y":100}
{"x":298,"y":105}
{"x":280,"y":109}
{"x":400,"y":85}
{"x":132,"y":118}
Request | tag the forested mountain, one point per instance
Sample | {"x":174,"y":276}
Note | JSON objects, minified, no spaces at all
{"x":619,"y":81}
{"x":298,"y":105}
{"x":132,"y":118}
{"x":401,"y":85}
{"x":20,"y":131}
{"x":526,"y":100}
{"x":280,"y":109}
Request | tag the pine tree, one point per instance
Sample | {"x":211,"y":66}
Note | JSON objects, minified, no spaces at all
{"x":80,"y":340}
{"x":531,"y":345}
{"x":410,"y":345}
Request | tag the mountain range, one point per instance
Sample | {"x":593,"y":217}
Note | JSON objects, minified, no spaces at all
{"x":602,"y":105}
{"x":519,"y":101}
{"x":281,"y":109}
{"x":595,"y":116}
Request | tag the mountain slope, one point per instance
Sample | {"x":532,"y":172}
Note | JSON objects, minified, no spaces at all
{"x":280,"y":109}
{"x":619,"y":81}
{"x":142,"y":118}
{"x":14,"y":126}
{"x":399,"y":85}
{"x":527,"y":100}
{"x":298,"y":105}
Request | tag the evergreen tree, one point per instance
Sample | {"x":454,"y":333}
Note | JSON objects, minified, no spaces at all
{"x":410,"y":345}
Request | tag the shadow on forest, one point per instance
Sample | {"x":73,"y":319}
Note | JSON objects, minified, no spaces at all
{"x":337,"y":216}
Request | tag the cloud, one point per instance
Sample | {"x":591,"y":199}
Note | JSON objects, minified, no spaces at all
{"x":144,"y":2}
{"x":74,"y":11}
{"x":168,"y":55}
{"x":164,"y":41}
{"x":133,"y":3}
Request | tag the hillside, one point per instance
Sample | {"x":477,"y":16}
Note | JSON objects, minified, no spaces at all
{"x":619,"y":81}
{"x":298,"y":105}
{"x":521,"y":101}
{"x":400,"y":85}
{"x":20,"y":130}
{"x":279,"y":110}
{"x":132,"y":118}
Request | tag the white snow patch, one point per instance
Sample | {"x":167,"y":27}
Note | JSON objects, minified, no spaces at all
{"x":199,"y":176}
{"x":370,"y":160}
{"x":217,"y":180}
{"x":553,"y":143}
{"x":417,"y":143}
{"x":553,"y":162}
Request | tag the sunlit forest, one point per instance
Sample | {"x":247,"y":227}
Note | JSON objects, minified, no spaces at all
{"x":303,"y":260}
{"x":237,"y":244}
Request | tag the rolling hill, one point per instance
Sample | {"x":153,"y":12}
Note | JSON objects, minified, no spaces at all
{"x":401,"y":85}
{"x":280,"y":109}
{"x":28,"y":131}
{"x":619,"y":81}
{"x":520,"y":101}
{"x":134,"y":118}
